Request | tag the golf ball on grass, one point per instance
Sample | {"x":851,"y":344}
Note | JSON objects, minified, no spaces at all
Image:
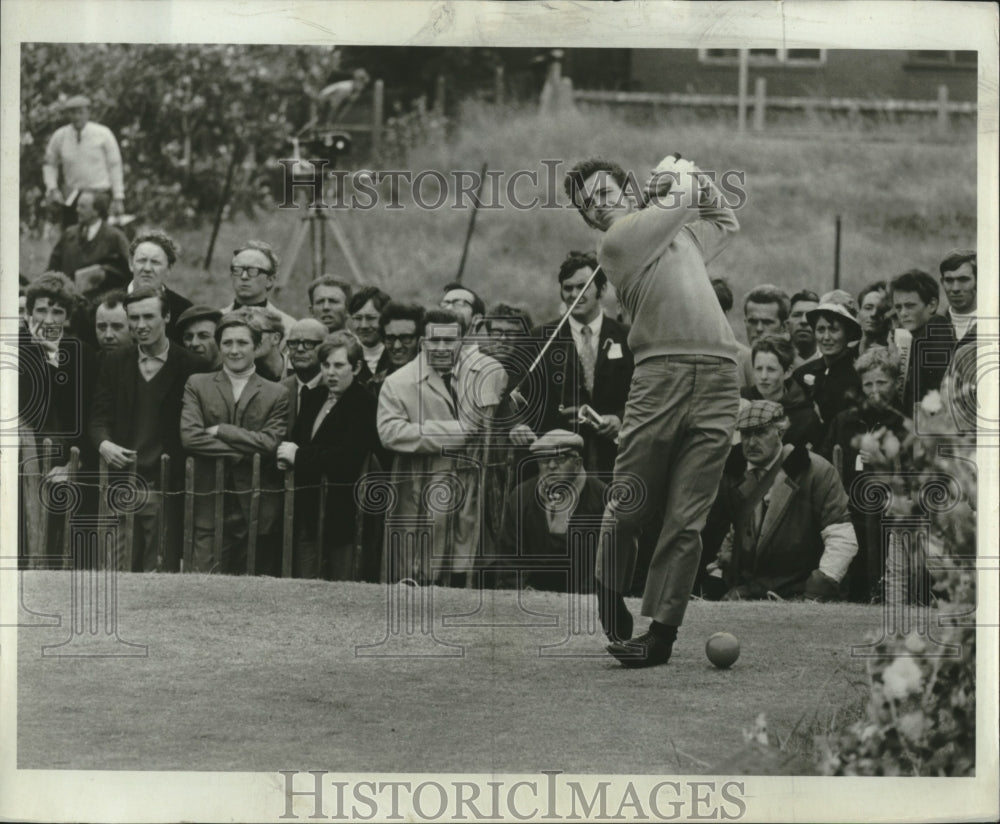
{"x":722,"y":649}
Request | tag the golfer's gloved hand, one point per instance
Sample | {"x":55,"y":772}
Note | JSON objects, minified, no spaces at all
{"x":674,"y":176}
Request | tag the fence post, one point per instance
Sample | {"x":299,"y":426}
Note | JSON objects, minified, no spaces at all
{"x":377,"y":112}
{"x":321,"y":526}
{"x":741,"y":92}
{"x":43,"y":538}
{"x":942,"y":109}
{"x":188,"y":551}
{"x":162,"y":521}
{"x":288,"y":524}
{"x":759,"y":103}
{"x":74,"y":468}
{"x":220,"y":512}
{"x":439,"y":90}
{"x":254,"y":526}
{"x":498,"y":86}
{"x":836,"y":252}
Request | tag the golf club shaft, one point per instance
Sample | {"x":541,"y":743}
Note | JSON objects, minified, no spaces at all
{"x":559,"y":326}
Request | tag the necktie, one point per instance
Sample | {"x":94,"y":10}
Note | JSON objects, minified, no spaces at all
{"x":447,"y":377}
{"x":761,"y":509}
{"x":588,"y":357}
{"x":305,"y":393}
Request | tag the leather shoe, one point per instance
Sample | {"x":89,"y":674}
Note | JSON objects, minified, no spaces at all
{"x":616,"y":620}
{"x":645,"y":651}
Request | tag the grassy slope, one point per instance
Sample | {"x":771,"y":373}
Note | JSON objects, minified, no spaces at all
{"x":257,"y":674}
{"x":904,"y":204}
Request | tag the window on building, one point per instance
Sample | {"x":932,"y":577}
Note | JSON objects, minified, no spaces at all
{"x":764,"y":57}
{"x":943,"y":59}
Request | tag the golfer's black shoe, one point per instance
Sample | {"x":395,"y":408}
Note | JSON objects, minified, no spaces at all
{"x":645,"y":651}
{"x":616,"y":620}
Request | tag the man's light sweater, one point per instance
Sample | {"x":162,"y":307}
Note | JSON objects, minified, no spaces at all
{"x":656,"y":258}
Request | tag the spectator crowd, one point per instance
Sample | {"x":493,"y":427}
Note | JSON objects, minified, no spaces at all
{"x":497,"y":464}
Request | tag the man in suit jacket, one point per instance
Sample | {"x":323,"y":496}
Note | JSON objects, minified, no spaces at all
{"x":791,"y":531}
{"x":55,"y":380}
{"x":93,"y":253}
{"x":151,"y":256}
{"x":330,"y":441}
{"x":235,"y":414}
{"x":305,"y":383}
{"x":135,"y":418}
{"x":589,"y":365}
{"x":434,"y":415}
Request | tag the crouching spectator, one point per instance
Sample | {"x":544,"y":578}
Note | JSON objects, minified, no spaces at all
{"x":542,"y":543}
{"x":791,"y":532}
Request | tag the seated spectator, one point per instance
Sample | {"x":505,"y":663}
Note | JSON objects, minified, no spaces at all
{"x":772,"y":377}
{"x":725,"y":295}
{"x":331,"y":444}
{"x":328,"y":297}
{"x":791,"y":532}
{"x":111,"y":322}
{"x":873,"y":317}
{"x":196,"y":326}
{"x":254,"y":271}
{"x":802,"y":336}
{"x":364,"y":311}
{"x":869,"y":436}
{"x":430,"y":412}
{"x":152,"y":255}
{"x":931,"y":345}
{"x":235,"y":414}
{"x":765,"y":312}
{"x":93,"y":253}
{"x":830,"y":381}
{"x":541,"y":545}
{"x":135,"y":418}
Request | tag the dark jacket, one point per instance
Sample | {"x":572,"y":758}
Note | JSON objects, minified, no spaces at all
{"x":846,"y":431}
{"x":806,"y":525}
{"x":931,"y":351}
{"x":109,"y":249}
{"x":564,"y":386}
{"x":545,"y":561}
{"x":54,"y":401}
{"x":345,"y":437}
{"x":833,"y":387}
{"x":804,"y":427}
{"x":111,"y":414}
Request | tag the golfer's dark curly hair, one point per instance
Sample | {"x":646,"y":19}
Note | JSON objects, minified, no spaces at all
{"x":575,"y":261}
{"x":575,"y":178}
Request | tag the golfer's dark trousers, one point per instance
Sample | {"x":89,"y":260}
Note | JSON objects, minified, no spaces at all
{"x":676,"y":435}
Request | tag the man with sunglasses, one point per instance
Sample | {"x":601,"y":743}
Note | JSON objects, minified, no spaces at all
{"x":253,"y":272}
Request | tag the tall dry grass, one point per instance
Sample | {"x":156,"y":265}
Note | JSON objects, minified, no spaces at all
{"x":904,"y":202}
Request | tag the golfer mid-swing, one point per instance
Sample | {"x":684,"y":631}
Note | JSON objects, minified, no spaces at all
{"x":684,"y":395}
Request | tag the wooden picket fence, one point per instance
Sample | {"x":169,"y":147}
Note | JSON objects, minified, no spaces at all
{"x":364,"y":539}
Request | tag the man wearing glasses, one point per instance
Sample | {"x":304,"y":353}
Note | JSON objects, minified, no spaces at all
{"x":365,"y":310}
{"x":253,"y":272}
{"x":306,"y":335}
{"x":465,"y":303}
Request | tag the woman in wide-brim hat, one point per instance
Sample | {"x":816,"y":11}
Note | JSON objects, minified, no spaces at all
{"x":830,"y":380}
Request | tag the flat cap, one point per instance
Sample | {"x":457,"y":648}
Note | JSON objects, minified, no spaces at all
{"x":758,"y":413}
{"x":200,"y":312}
{"x":556,"y":441}
{"x":77,"y":101}
{"x":838,"y":311}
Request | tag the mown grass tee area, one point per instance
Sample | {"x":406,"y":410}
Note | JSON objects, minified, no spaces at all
{"x":260,"y":674}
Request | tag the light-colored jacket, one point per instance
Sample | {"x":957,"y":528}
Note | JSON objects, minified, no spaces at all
{"x":437,"y":460}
